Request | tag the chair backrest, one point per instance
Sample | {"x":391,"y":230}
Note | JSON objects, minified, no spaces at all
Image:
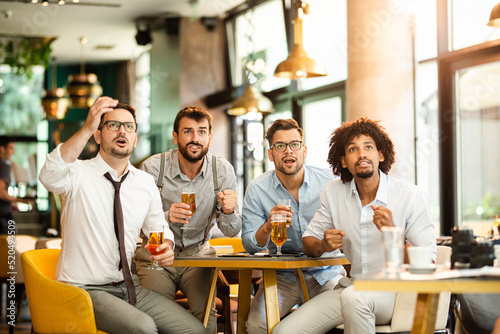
{"x":55,"y":307}
{"x":235,"y":242}
{"x":48,"y":243}
{"x":14,"y":245}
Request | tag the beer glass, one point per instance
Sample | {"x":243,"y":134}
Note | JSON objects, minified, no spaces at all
{"x":188,"y":197}
{"x":278,"y":234}
{"x":155,"y":240}
{"x":287,"y":202}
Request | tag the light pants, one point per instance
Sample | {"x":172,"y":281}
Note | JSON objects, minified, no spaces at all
{"x":193,"y":282}
{"x":153,"y":313}
{"x":359,"y":311}
{"x":289,"y":295}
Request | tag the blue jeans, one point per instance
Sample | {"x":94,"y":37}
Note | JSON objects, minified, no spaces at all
{"x":153,"y":312}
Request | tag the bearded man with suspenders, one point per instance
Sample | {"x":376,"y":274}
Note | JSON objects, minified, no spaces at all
{"x":214,"y":181}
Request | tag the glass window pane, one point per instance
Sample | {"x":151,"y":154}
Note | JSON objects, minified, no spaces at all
{"x":20,"y":103}
{"x":478,"y":127}
{"x":469,"y":22}
{"x":260,"y":41}
{"x":425,"y":29}
{"x":427,"y":134}
{"x":320,"y":119}
{"x":325,"y":39}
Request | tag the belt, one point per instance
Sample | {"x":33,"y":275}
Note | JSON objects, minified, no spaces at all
{"x":108,"y":284}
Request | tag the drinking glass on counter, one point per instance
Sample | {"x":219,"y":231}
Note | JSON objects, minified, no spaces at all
{"x":393,"y":244}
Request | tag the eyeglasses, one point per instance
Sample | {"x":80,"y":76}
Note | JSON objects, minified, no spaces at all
{"x":115,"y":126}
{"x":281,"y":147}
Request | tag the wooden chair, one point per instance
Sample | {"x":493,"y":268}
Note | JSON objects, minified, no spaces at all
{"x":55,"y":307}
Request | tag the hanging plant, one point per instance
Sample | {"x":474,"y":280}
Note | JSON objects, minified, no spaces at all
{"x":22,"y":53}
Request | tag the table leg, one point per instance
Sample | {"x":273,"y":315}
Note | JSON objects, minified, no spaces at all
{"x":424,"y":321}
{"x":244,"y":296}
{"x":271,"y":298}
{"x":210,"y":297}
{"x":299,"y":275}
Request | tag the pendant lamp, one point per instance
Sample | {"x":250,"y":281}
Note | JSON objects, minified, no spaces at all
{"x":83,"y":88}
{"x":495,"y":17}
{"x":299,"y":65}
{"x":250,"y":101}
{"x":54,"y":102}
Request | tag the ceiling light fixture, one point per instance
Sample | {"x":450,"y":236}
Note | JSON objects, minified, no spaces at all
{"x":299,"y":65}
{"x":45,"y":3}
{"x":83,"y":88}
{"x":61,"y":2}
{"x":54,"y":102}
{"x":495,"y":17}
{"x":252,"y":100}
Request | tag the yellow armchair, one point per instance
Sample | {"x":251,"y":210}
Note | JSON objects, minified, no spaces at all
{"x":55,"y":307}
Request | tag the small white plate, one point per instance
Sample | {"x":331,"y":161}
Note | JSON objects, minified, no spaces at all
{"x":420,"y":271}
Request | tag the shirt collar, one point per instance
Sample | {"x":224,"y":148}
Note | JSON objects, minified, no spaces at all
{"x":102,"y":168}
{"x":381,"y":191}
{"x":277,"y":182}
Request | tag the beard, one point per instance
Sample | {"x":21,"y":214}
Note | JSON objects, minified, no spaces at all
{"x":365,"y":175}
{"x":118,"y":152}
{"x":193,"y":158}
{"x":298,"y":166}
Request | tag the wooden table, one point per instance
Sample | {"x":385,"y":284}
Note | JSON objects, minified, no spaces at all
{"x":245,"y":264}
{"x":428,"y":294}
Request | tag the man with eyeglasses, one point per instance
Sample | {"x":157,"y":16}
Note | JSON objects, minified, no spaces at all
{"x":107,"y":202}
{"x":290,"y":179}
{"x":191,"y":165}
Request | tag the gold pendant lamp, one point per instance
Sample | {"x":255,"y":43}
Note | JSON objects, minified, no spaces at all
{"x":299,"y":65}
{"x":495,"y":17}
{"x":54,"y":102}
{"x":83,"y":88}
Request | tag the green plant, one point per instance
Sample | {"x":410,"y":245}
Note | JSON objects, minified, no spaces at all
{"x":22,"y":53}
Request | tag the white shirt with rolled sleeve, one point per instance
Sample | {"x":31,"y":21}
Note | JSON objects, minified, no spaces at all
{"x":89,"y":250}
{"x":341,"y":209}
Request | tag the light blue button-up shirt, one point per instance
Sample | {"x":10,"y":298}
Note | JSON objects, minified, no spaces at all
{"x":262,"y":195}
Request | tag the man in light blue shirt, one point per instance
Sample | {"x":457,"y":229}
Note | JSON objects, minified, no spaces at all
{"x":302,"y":184}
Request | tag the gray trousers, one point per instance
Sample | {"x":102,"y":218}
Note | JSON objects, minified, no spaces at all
{"x":153,"y":313}
{"x":193,"y":282}
{"x":358,"y":311}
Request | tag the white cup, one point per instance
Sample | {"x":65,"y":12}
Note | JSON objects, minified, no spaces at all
{"x":392,"y":241}
{"x":420,"y":256}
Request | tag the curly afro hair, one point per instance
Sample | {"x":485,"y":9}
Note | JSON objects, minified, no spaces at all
{"x":349,"y":130}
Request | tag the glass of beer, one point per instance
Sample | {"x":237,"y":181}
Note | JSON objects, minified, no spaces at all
{"x":286,"y":202}
{"x":155,"y":240}
{"x":278,"y":234}
{"x":188,"y":197}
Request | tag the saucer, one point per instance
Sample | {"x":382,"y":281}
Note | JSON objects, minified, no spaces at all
{"x":421,"y":271}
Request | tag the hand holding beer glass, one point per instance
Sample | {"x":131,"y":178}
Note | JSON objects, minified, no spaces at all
{"x":155,"y":240}
{"x":278,"y":233}
{"x":188,"y":197}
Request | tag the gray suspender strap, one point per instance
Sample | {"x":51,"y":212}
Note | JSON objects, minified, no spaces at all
{"x":159,"y":182}
{"x":216,"y":190}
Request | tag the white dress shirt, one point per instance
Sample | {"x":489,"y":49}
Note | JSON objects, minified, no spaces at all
{"x":341,"y":209}
{"x":89,"y":249}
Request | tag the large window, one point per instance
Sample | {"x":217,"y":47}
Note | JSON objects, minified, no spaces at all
{"x":478,"y":132}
